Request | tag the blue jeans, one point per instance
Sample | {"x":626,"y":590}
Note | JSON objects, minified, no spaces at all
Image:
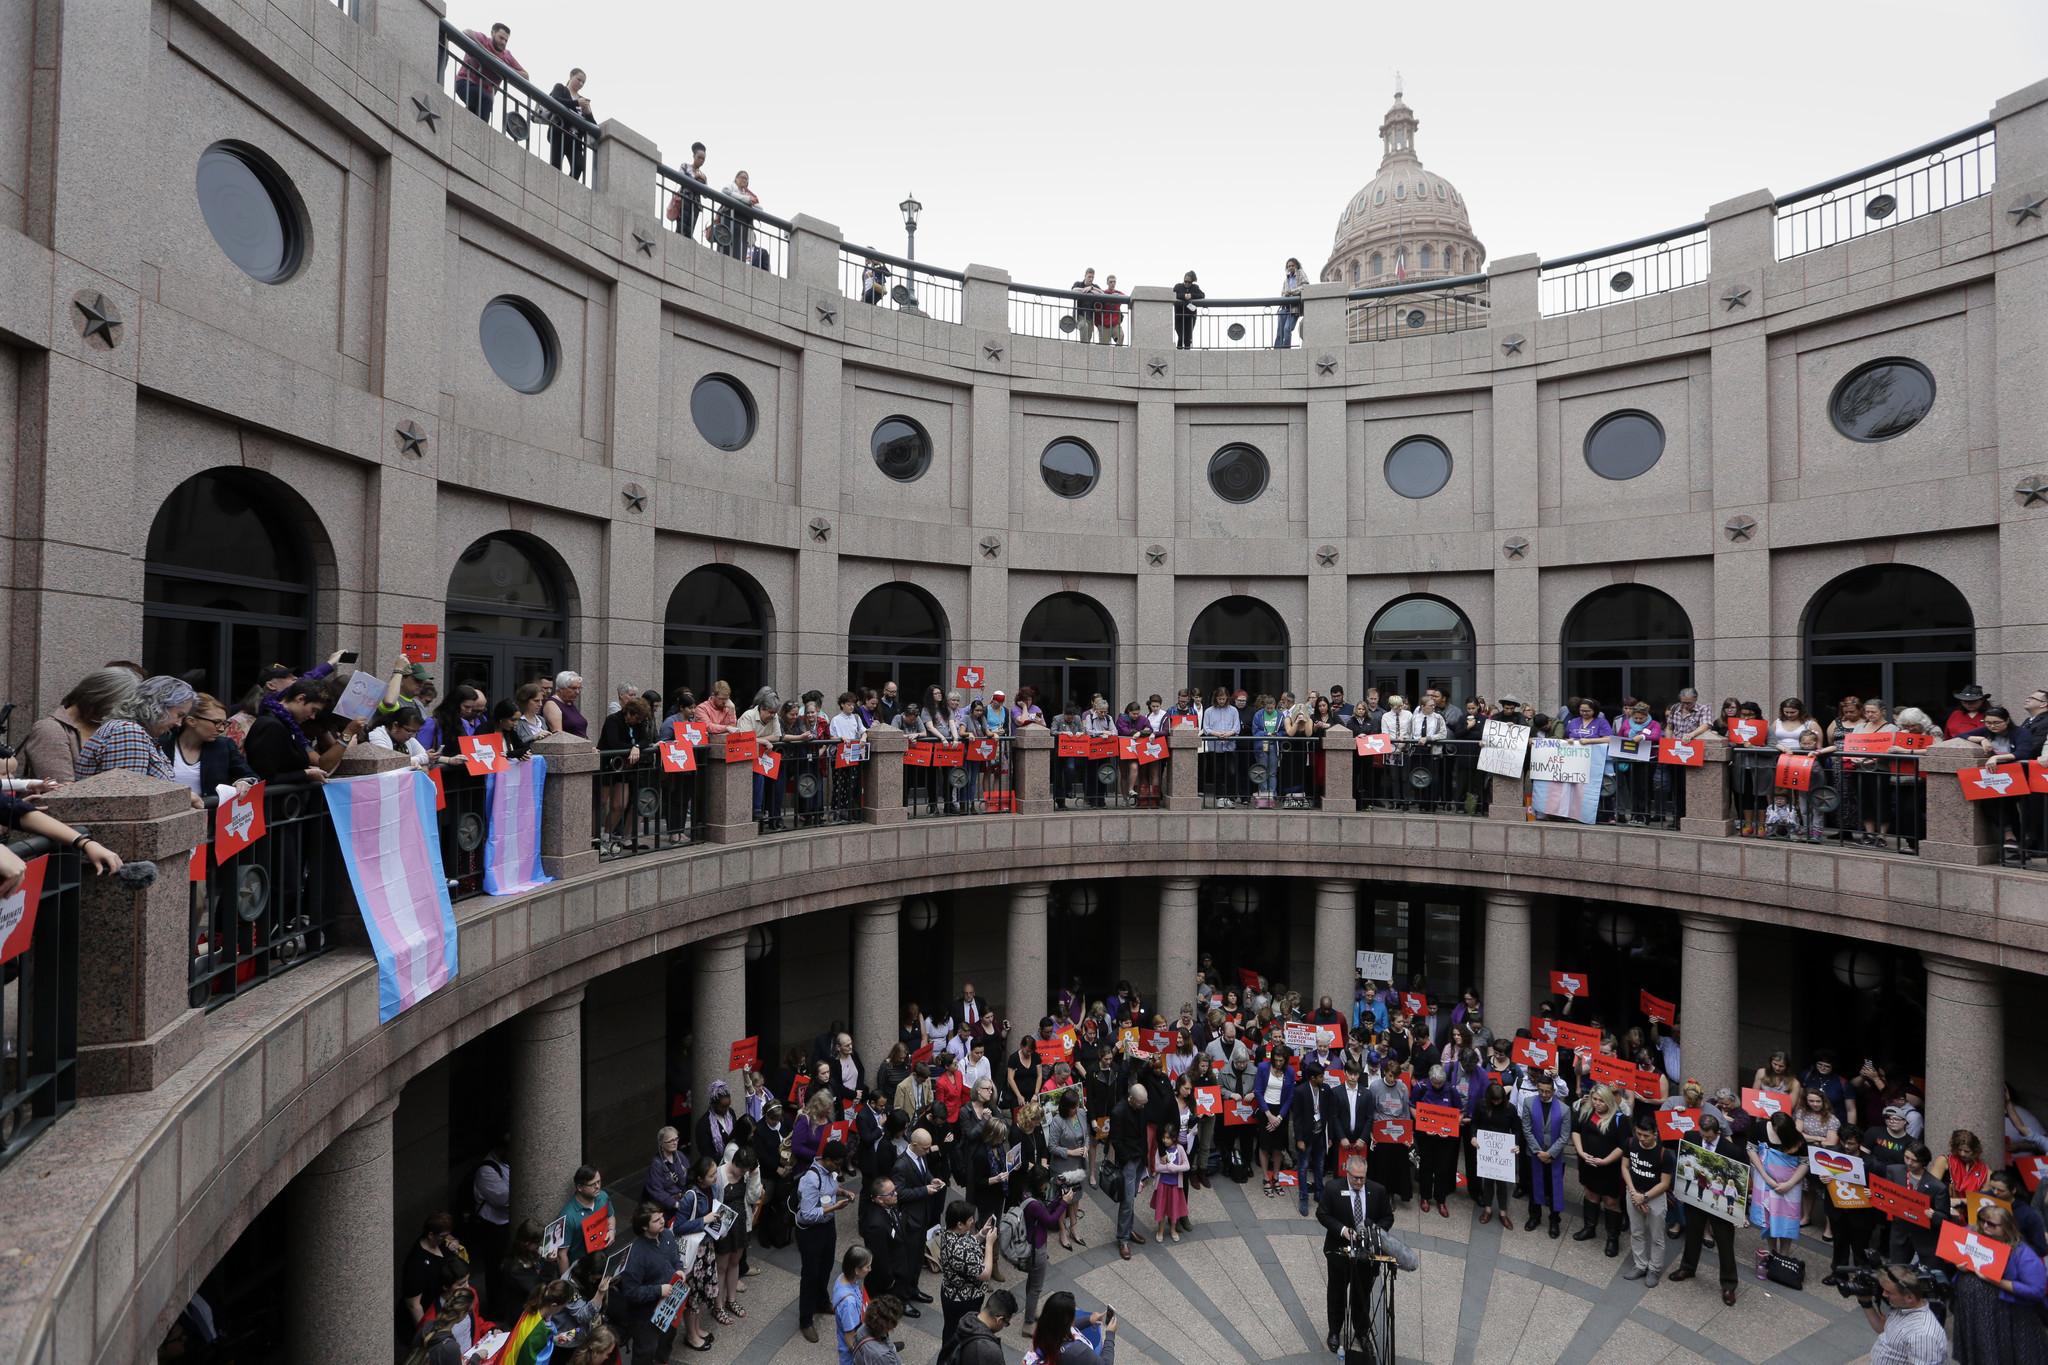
{"x":1127,"y":1207}
{"x":1308,"y":1171}
{"x":1286,"y":337}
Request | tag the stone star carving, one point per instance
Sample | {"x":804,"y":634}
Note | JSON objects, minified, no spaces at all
{"x":827,"y":313}
{"x":1158,"y":367}
{"x":1326,"y":555}
{"x":1741,"y":528}
{"x":2032,"y":491}
{"x":412,"y":438}
{"x":2025,"y":210}
{"x":991,"y":350}
{"x":1512,"y":345}
{"x":1326,"y":365}
{"x":422,"y":112}
{"x":635,"y":496}
{"x":644,"y":242}
{"x":1515,"y":547}
{"x":821,"y":529}
{"x":1736,"y":298}
{"x":1156,"y":553}
{"x":99,"y":319}
{"x":991,"y":546}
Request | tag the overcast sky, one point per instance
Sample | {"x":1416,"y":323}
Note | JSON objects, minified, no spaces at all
{"x":1225,"y":137}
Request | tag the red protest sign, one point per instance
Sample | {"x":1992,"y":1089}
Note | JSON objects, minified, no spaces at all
{"x":1238,"y":1112}
{"x":744,"y":1054}
{"x":983,"y":749}
{"x":1102,"y":746}
{"x":2032,"y":1168}
{"x":1613,"y":1071}
{"x":1896,"y":1200}
{"x":1183,"y":723}
{"x":967,"y":675}
{"x":440,"y":792}
{"x":1072,"y":746}
{"x":1649,"y":1083}
{"x":18,"y":911}
{"x":1208,"y":1098}
{"x":741,"y":746}
{"x":1346,"y":1151}
{"x":1746,"y":732}
{"x":195,"y":866}
{"x":1982,"y":784}
{"x":1371,"y":745}
{"x":918,"y":755}
{"x":1415,"y":1002}
{"x":678,"y":758}
{"x":798,"y":1086}
{"x":1662,"y":1011}
{"x":237,"y":823}
{"x":1056,"y":1049}
{"x":1576,"y":1036}
{"x":849,"y":755}
{"x":1155,"y":1040}
{"x":1543,"y":1030}
{"x":421,"y":644}
{"x":483,"y":754}
{"x":597,"y":1229}
{"x":1437,"y":1120}
{"x":949,"y":755}
{"x":1247,"y":978}
{"x":1529,"y":1052}
{"x":1764,"y":1103}
{"x":1286,"y":1180}
{"x":923,"y":1054}
{"x":1571,"y":985}
{"x":1795,"y":771}
{"x":1868,"y":744}
{"x":1687,"y":752}
{"x":838,"y":1132}
{"x":1967,"y":1247}
{"x":690,"y":732}
{"x":768,"y":763}
{"x":1393,"y":1130}
{"x":1673,"y":1124}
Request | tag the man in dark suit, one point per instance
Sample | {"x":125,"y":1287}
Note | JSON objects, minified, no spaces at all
{"x":870,"y":1141}
{"x":1347,"y":1115}
{"x":1698,"y":1222}
{"x":881,"y":1230}
{"x":920,"y":1193}
{"x":968,"y":1009}
{"x":1345,"y":1207}
{"x":1307,"y":1128}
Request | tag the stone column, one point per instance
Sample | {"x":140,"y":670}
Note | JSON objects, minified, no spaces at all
{"x":814,"y":253}
{"x":1340,"y":749}
{"x":1151,"y":311}
{"x":1506,"y":985}
{"x":719,"y":1017}
{"x":565,"y":806}
{"x":728,"y":795}
{"x":876,"y":991}
{"x":1026,"y":984}
{"x":1706,"y":792}
{"x":547,"y":1105}
{"x":339,"y":1289}
{"x":1031,"y":776}
{"x":1709,"y":1000}
{"x":1183,"y":770}
{"x":1965,"y":1053}
{"x":985,"y":302}
{"x":1959,"y":830}
{"x":881,"y":790}
{"x":1336,"y":970}
{"x":1179,"y":928}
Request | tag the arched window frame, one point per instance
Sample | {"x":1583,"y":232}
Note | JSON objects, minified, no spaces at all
{"x":1068,"y":658}
{"x":507,"y":659}
{"x":1956,"y":666}
{"x":1265,"y":662}
{"x":896,"y":661}
{"x":1654,"y":659}
{"x":1426,"y":666}
{"x":752,"y":646}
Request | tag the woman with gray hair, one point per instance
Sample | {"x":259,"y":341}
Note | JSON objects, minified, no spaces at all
{"x":127,"y":738}
{"x":54,"y":742}
{"x":1436,"y":1155}
{"x":764,"y":720}
{"x":560,"y":709}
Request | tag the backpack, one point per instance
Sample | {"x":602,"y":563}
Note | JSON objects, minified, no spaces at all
{"x":1012,"y":1240}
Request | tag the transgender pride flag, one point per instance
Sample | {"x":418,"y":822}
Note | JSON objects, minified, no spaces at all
{"x":392,"y":849}
{"x":1578,"y":801}
{"x":512,"y":848}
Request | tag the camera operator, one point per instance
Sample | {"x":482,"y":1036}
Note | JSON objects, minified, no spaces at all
{"x":1345,"y":1210}
{"x":1909,"y":1334}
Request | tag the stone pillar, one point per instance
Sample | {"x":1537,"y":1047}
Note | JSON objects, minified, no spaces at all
{"x":728,"y":794}
{"x":985,"y":302}
{"x":136,"y":1024}
{"x":1507,"y":798}
{"x":1965,"y":1053}
{"x":1709,"y":1000}
{"x":1031,"y":760}
{"x":566,"y":823}
{"x":339,"y":1229}
{"x":814,"y":253}
{"x":1339,"y":751}
{"x":1706,"y":792}
{"x":622,"y":170}
{"x":881,"y":781}
{"x":876,"y":992}
{"x":1183,"y":770}
{"x":1518,"y":542}
{"x":1505,"y":989}
{"x":547,"y":1105}
{"x":1336,"y":969}
{"x":719,"y":1014}
{"x":1179,"y":928}
{"x":1151,"y":312}
{"x":1026,"y":984}
{"x":1959,"y":830}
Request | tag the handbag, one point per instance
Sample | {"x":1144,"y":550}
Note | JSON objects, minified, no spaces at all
{"x":1789,"y":1271}
{"x":1110,"y":1180}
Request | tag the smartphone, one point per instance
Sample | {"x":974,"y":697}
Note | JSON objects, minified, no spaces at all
{"x":348,"y":656}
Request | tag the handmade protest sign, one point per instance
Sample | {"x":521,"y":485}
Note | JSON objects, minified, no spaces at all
{"x":1503,"y":748}
{"x":1496,"y":1155}
{"x":358,"y":700}
{"x":1712,"y":1183}
{"x":1557,"y":760}
{"x":1375,"y":966}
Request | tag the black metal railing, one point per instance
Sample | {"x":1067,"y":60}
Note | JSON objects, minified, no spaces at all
{"x":1067,"y":315}
{"x":476,"y":78}
{"x":1437,"y":777}
{"x":1087,"y":772}
{"x":465,"y":824}
{"x":1928,"y":179}
{"x":2023,"y":827}
{"x":727,"y":224}
{"x":1246,"y":324}
{"x":972,"y":777}
{"x":641,"y":807}
{"x":1650,"y":265}
{"x":881,"y":280}
{"x":1642,"y":792}
{"x":1877,"y":802}
{"x":38,"y":1074}
{"x":1411,"y":310}
{"x":266,"y":908}
{"x":818,"y":784}
{"x":1264,"y":772}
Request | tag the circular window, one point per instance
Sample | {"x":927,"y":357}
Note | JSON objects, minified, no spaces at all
{"x":250,"y":210}
{"x":1882,"y":399}
{"x":902,"y":450}
{"x":723,"y":411}
{"x":1622,"y":445}
{"x":1069,"y":467}
{"x":1418,"y":467}
{"x":518,"y":342}
{"x":1238,"y":473}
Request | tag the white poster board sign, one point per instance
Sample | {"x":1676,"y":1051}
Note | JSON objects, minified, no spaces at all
{"x":1496,"y":1155}
{"x":1503,"y":748}
{"x":358,"y":701}
{"x":1375,"y":966}
{"x":1558,"y":760}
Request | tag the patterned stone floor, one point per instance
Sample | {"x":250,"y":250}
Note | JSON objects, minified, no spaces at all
{"x":1246,"y":1286}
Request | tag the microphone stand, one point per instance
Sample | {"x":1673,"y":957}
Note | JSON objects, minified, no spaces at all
{"x":1366,"y":1250}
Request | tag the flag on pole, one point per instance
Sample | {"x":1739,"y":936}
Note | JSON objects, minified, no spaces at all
{"x":392,"y":850}
{"x":512,"y":848}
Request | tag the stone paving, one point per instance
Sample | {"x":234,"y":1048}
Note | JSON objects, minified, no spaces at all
{"x":1246,"y":1286}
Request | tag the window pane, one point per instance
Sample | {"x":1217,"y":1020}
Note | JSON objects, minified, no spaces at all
{"x":220,"y":524}
{"x":895,"y":611}
{"x":495,"y":570}
{"x":1891,"y":597}
{"x":1068,"y":618}
{"x":179,"y":592}
{"x":1238,"y":622}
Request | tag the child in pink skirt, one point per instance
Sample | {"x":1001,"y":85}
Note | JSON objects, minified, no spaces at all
{"x":1169,"y":1200}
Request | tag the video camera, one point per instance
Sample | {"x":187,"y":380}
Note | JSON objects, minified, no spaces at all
{"x":1865,"y":1279}
{"x":1068,"y":1180}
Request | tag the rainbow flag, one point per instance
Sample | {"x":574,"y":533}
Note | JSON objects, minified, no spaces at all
{"x":532,"y":1343}
{"x":512,"y":847}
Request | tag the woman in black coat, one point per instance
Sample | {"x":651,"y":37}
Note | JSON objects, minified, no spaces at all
{"x":200,"y":747}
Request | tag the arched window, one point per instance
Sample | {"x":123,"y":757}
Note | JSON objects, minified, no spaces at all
{"x":898,"y":633}
{"x":1428,"y":258}
{"x":507,"y":619}
{"x":1627,"y":641}
{"x":227,"y":588}
{"x":1354,"y":272}
{"x":1890,"y":631}
{"x":1379,"y":264}
{"x":716,"y":627}
{"x":1068,"y":650}
{"x":1238,"y":642}
{"x":1418,"y":643}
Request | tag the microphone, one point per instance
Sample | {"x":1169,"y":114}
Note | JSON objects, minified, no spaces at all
{"x":138,"y":875}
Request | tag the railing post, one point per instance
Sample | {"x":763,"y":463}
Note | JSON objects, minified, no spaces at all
{"x":985,"y":298}
{"x":565,"y":806}
{"x":881,"y":791}
{"x":1706,"y":792}
{"x":814,"y":253}
{"x":623,"y":172}
{"x":1339,"y":751}
{"x":1183,"y":776}
{"x":1322,"y":319}
{"x":136,"y":1024}
{"x":1959,"y":830}
{"x":1152,"y":316}
{"x":1032,"y":770}
{"x":728,"y":795}
{"x":1508,"y":797}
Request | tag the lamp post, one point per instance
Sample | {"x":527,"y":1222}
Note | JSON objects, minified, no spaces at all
{"x":911,"y":208}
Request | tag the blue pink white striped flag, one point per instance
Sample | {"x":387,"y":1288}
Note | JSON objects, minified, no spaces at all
{"x":392,"y":849}
{"x":512,"y":848}
{"x":1573,"y":800}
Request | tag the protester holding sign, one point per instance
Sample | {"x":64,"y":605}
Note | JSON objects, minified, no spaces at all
{"x":2001,"y":1293}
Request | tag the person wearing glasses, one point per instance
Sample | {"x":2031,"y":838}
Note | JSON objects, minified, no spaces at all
{"x":202,"y":756}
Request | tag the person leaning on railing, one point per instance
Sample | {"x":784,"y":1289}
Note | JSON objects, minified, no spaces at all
{"x":474,"y":85}
{"x":53,"y":743}
{"x":278,"y":745}
{"x":128,"y":737}
{"x":18,"y":814}
{"x":202,"y":757}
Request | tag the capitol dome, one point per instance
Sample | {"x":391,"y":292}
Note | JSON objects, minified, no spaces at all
{"x":1408,"y":223}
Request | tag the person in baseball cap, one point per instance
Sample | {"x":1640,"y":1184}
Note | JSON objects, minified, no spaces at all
{"x":407,"y":678}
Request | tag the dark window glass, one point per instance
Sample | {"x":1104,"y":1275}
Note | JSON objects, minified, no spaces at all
{"x":250,"y":212}
{"x":1891,"y":631}
{"x":511,"y":616}
{"x":716,"y":628}
{"x":1067,"y":649}
{"x":1069,"y":467}
{"x":220,"y":524}
{"x":518,"y":342}
{"x":1882,"y":399}
{"x":1891,"y":597}
{"x":1238,"y":473}
{"x":1622,"y":445}
{"x":496,"y":571}
{"x":901,"y":449}
{"x":1238,"y":642}
{"x":1418,"y":467}
{"x":1628,"y":641}
{"x":896,"y":634}
{"x":1418,"y":643}
{"x":723,"y":411}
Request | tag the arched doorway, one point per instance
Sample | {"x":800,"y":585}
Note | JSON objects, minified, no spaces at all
{"x":1417,"y":643}
{"x":1890,"y":631}
{"x":716,"y":626}
{"x":897,"y":634}
{"x":1238,"y":642}
{"x":507,"y":618}
{"x":227,"y":587}
{"x":1068,"y":650}
{"x":1627,"y":641}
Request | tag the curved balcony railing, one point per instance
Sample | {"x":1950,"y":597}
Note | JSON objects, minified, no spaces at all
{"x":1423,"y":308}
{"x":898,"y":283}
{"x":728,"y":225}
{"x":39,"y":1057}
{"x":1928,"y":179}
{"x":1650,"y":265}
{"x":516,"y":107}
